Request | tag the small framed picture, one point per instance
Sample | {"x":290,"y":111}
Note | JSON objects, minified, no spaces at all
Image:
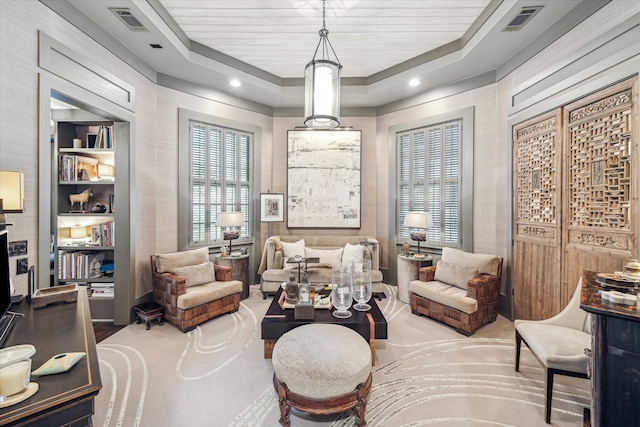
{"x":22,"y":265}
{"x":18,"y":248}
{"x":91,"y":140}
{"x":271,"y":207}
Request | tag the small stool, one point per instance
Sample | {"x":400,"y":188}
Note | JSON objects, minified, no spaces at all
{"x":322,"y":369}
{"x":149,"y":311}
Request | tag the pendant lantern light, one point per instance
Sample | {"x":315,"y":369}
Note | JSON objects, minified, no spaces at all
{"x":322,"y":84}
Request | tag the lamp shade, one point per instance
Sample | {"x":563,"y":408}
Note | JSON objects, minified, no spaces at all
{"x":418,"y":220}
{"x":322,"y":94}
{"x":12,"y":191}
{"x":230,"y":219}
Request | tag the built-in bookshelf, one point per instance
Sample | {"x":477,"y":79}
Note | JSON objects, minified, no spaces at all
{"x":86,"y":176}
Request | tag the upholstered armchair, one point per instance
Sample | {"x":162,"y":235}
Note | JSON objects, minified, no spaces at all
{"x":560,"y":344}
{"x":462,"y":290}
{"x":192,"y":289}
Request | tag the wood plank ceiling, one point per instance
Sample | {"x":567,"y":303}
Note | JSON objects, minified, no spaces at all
{"x":280,"y":36}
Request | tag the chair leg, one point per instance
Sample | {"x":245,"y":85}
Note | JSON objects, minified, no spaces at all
{"x":549,"y":394}
{"x":518,"y":346}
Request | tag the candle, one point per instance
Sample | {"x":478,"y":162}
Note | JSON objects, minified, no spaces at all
{"x":15,"y":378}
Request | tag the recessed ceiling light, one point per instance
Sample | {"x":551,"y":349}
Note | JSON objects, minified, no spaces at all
{"x":414,"y":82}
{"x":235,"y":83}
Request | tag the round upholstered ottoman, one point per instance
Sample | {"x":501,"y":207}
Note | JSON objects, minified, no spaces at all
{"x":322,"y":369}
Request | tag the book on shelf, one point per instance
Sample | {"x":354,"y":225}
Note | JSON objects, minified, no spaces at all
{"x":103,"y":234}
{"x":78,"y":168}
{"x":101,"y":289}
{"x":79,"y":265}
{"x":104,"y":140}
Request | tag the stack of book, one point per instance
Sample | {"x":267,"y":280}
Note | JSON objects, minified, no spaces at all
{"x":100,"y":290}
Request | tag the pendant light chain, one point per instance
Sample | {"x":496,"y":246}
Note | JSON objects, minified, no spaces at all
{"x":324,"y":5}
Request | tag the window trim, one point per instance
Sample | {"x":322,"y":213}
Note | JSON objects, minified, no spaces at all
{"x":184,"y":187}
{"x":466,"y":116}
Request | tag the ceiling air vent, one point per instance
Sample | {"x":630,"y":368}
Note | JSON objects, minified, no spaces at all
{"x":129,"y":19}
{"x":522,"y":18}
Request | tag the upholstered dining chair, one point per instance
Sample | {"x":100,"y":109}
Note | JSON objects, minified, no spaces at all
{"x":560,"y":343}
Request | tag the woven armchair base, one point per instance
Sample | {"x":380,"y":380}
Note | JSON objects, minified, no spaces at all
{"x":463,"y":322}
{"x":186,"y":320}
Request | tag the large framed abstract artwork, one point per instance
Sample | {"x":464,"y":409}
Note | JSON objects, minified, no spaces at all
{"x":323,"y":178}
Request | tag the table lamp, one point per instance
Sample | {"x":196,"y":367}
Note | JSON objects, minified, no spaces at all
{"x":11,"y":195}
{"x":230,"y":219}
{"x":418,"y":221}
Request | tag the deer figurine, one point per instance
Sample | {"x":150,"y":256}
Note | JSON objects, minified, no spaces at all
{"x":81,"y":198}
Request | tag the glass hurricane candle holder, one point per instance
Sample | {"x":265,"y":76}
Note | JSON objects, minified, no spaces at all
{"x":361,"y":272}
{"x":342,"y":291}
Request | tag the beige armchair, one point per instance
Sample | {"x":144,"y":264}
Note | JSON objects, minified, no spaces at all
{"x":560,"y":343}
{"x":462,"y":290}
{"x":192,"y":289}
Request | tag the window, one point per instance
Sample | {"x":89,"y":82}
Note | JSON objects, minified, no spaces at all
{"x":429,"y":179}
{"x":220,"y":180}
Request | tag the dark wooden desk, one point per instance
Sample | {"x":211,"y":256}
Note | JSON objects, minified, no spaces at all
{"x":615,"y":358}
{"x":64,"y":399}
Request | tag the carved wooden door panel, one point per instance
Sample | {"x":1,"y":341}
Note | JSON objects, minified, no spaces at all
{"x":575,"y":197}
{"x":601,"y":207}
{"x":537,"y":226}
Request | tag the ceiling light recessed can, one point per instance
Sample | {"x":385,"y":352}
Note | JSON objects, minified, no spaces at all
{"x":414,"y":82}
{"x":235,"y":83}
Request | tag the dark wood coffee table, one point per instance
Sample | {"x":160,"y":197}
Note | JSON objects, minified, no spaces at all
{"x":277,"y":321}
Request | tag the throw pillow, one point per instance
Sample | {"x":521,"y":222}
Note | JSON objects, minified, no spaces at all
{"x":197,"y":274}
{"x":167,"y":262}
{"x":328,"y":257}
{"x":453,"y":274}
{"x":352,"y":253}
{"x":290,"y":250}
{"x":486,"y":264}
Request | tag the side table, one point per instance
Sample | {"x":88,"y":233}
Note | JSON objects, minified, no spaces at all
{"x":239,"y":270}
{"x":148,"y":312}
{"x":408,"y":270}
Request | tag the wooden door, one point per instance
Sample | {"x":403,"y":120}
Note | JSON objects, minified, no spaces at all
{"x":601,"y":204}
{"x":575,"y":197}
{"x":537,"y":226}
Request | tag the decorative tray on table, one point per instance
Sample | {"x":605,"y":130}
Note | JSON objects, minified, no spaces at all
{"x":320,"y":303}
{"x":618,"y":280}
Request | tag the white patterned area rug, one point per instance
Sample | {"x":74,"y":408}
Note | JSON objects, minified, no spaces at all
{"x":426,"y":374}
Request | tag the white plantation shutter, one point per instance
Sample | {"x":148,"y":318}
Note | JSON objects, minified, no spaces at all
{"x":429,"y":179}
{"x":221,"y":179}
{"x":198,"y":182}
{"x":404,"y":159}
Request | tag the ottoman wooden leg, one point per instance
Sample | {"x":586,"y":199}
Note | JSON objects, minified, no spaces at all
{"x":285,"y":408}
{"x":362,"y":394}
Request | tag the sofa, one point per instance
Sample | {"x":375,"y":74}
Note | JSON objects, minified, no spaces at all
{"x":462,"y":290}
{"x":191,"y":289}
{"x":330,"y":250}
